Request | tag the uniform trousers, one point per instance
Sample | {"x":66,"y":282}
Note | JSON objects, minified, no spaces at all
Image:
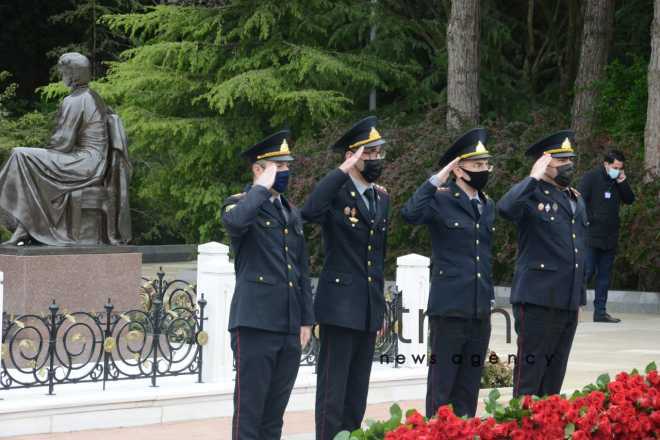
{"x":342,"y":381}
{"x":458,"y":352}
{"x":545,"y":337}
{"x":266,"y":368}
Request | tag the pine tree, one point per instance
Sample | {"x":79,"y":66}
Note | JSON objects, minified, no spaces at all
{"x":203,"y":83}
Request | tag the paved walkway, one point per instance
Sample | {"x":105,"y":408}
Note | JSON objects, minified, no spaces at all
{"x":598,"y":348}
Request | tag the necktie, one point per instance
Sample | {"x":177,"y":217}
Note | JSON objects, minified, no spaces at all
{"x":369,"y":194}
{"x":475,"y":206}
{"x":280,"y":210}
{"x":567,"y":193}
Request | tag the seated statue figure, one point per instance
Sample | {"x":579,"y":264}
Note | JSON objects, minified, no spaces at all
{"x":84,"y":167}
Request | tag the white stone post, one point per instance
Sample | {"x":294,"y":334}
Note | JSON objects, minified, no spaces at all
{"x":2,"y":293}
{"x":412,"y":278}
{"x":216,"y":280}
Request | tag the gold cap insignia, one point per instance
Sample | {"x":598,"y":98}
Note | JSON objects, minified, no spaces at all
{"x":566,"y":147}
{"x":284,"y":148}
{"x":373,"y":136}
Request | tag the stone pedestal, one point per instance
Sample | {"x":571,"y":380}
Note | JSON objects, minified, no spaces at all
{"x":80,"y":278}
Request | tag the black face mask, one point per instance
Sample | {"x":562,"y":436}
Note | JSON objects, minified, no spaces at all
{"x":565,"y":174}
{"x":372,"y":170}
{"x":478,"y":179}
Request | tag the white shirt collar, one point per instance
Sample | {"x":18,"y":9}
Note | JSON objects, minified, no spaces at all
{"x":361,"y":187}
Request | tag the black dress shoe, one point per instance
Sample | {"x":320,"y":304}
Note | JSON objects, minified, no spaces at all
{"x":606,"y":318}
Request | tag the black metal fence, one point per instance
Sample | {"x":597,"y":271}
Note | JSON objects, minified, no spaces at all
{"x":165,"y":338}
{"x":387,"y":337}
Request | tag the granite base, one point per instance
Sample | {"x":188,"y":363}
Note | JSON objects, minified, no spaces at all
{"x":80,"y":278}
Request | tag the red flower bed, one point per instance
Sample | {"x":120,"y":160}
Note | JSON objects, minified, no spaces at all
{"x":626,"y":408}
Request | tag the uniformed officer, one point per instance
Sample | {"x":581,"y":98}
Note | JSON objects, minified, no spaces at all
{"x":271,"y":311}
{"x":460,"y":219}
{"x":549,"y":280}
{"x":349,"y":302}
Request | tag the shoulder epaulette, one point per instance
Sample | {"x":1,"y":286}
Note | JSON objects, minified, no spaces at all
{"x":380,"y":188}
{"x":575,"y":192}
{"x":231,"y":201}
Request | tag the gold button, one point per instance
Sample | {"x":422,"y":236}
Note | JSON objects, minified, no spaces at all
{"x":478,"y":274}
{"x":552,"y":218}
{"x":371,"y":232}
{"x":477,"y":241}
{"x":286,"y":248}
{"x":369,"y":279}
{"x":573,"y":236}
{"x":573,"y":221}
{"x":576,"y":250}
{"x":267,"y":223}
{"x":455,"y":223}
{"x":286,"y":231}
{"x":353,"y":224}
{"x":577,"y":265}
{"x":546,"y":192}
{"x":369,"y":263}
{"x":477,"y":257}
{"x":457,"y":194}
{"x":289,"y":266}
{"x":261,"y":278}
{"x":369,"y":247}
{"x":477,"y":225}
{"x":290,"y":284}
{"x":336,"y":280}
{"x":542,"y":265}
{"x":493,"y":228}
{"x":372,"y":221}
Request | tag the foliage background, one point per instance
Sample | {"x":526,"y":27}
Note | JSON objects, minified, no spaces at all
{"x":197,"y":84}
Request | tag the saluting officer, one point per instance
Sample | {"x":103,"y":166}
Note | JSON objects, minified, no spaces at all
{"x":459,"y":216}
{"x":271,"y":311}
{"x":549,"y":280}
{"x":349,"y":302}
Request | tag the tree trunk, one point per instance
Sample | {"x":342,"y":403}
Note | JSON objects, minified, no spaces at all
{"x":463,"y":64}
{"x":596,"y":36}
{"x":652,"y":131}
{"x":568,"y":62}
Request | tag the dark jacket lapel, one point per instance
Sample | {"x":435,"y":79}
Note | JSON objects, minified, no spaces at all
{"x":355,"y":195}
{"x":463,"y":199}
{"x":381,"y":206}
{"x":268,"y":207}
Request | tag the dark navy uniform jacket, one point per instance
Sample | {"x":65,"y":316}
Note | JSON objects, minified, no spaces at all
{"x":272,"y":291}
{"x":351,"y":286}
{"x":461,"y":279}
{"x":550,"y":268}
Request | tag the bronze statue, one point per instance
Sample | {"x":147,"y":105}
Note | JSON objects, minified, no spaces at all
{"x":75,"y":190}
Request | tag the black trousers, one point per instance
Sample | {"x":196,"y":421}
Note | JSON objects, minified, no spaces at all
{"x":266,"y":368}
{"x":458,"y":353}
{"x":545,"y":337}
{"x":342,"y":381}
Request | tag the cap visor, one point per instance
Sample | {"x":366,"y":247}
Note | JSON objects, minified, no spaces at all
{"x":373,"y":144}
{"x":287,"y":158}
{"x":479,"y":157}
